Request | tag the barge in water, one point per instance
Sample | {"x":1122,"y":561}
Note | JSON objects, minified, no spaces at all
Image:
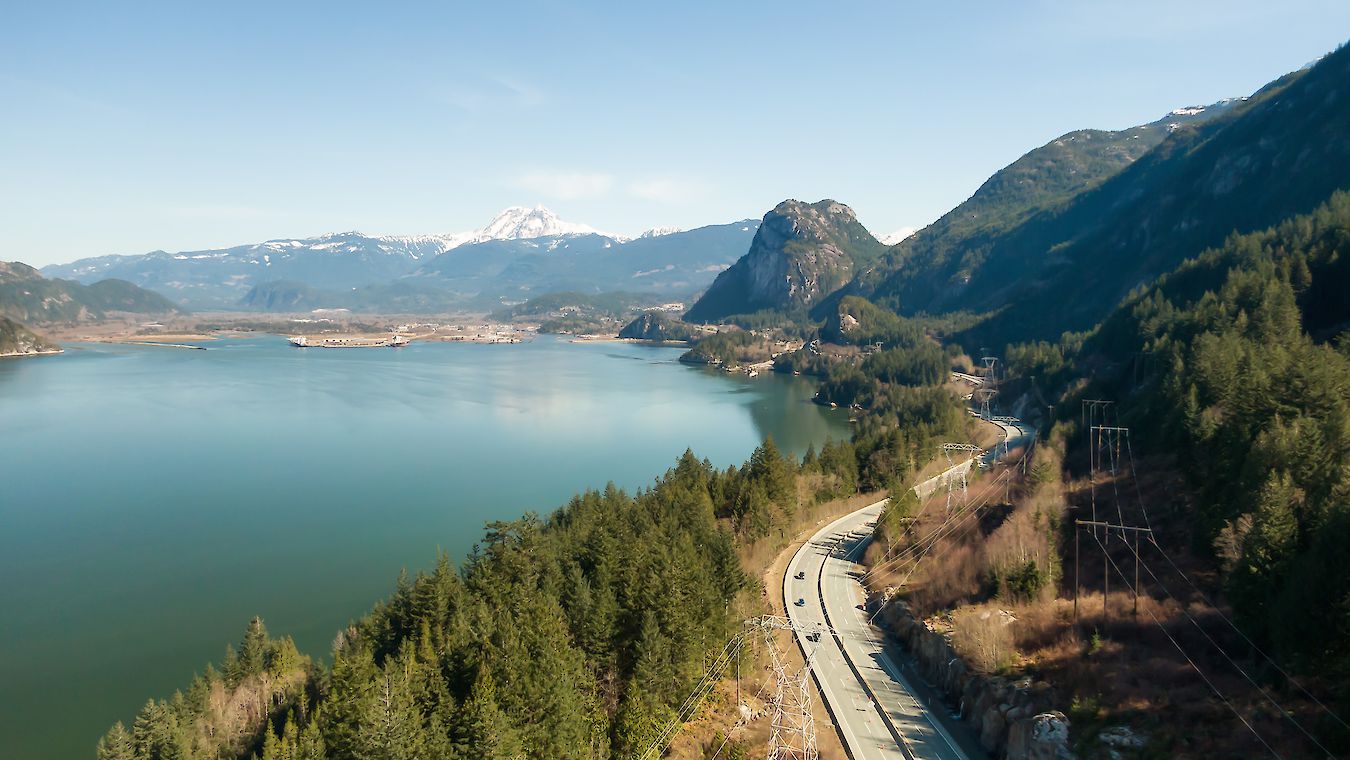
{"x":396,"y":341}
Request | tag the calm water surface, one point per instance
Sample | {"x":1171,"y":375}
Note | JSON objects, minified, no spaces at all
{"x":153,"y":499}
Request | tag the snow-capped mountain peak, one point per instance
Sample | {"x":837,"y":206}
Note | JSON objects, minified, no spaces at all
{"x":519,"y":223}
{"x":897,"y":236}
{"x":659,"y":231}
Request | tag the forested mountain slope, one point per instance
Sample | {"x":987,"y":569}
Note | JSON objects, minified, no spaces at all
{"x":1239,"y":361}
{"x":26,"y":296}
{"x":17,"y":340}
{"x":1281,"y":152}
{"x":1042,"y":179}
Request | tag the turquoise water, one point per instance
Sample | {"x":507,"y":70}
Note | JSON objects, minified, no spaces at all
{"x":153,"y":499}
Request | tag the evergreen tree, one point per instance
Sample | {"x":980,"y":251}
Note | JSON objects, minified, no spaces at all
{"x":393,"y":728}
{"x":156,"y":735}
{"x":486,"y":733}
{"x":253,"y":650}
{"x":117,"y":744}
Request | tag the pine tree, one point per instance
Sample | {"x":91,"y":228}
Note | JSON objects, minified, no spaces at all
{"x":253,"y":650}
{"x":309,"y":744}
{"x":486,"y":732}
{"x":156,"y":735}
{"x":393,"y":730}
{"x":350,"y":701}
{"x":116,"y":744}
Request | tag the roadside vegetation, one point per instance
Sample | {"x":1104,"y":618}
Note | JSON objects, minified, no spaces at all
{"x":1231,"y":375}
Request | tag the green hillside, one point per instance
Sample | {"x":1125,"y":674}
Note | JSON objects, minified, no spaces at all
{"x":15,"y":339}
{"x":1281,"y":152}
{"x":26,"y":296}
{"x":1239,"y":362}
{"x":1043,"y":179}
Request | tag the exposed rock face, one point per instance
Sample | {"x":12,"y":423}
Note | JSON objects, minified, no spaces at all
{"x":656,"y":326}
{"x":1015,"y":719}
{"x":17,"y":340}
{"x":1044,"y":737}
{"x":801,"y":253}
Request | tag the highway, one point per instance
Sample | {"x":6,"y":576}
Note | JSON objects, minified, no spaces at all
{"x":1015,"y":434}
{"x":871,"y":699}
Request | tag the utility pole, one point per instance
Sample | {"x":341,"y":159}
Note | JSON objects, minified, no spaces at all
{"x":1107,"y":528}
{"x":1092,"y":409}
{"x":1075,"y":572}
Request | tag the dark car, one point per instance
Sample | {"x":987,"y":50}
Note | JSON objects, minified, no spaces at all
{"x":801,"y":575}
{"x":813,"y":636}
{"x":800,"y":602}
{"x":864,"y":609}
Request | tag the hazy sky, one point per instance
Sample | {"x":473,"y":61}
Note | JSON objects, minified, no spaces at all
{"x":192,"y":125}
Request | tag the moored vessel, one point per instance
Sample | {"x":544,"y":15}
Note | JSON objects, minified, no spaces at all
{"x":302,"y":341}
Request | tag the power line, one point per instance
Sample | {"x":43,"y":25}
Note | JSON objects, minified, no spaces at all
{"x":955,"y":518}
{"x":1245,"y":638}
{"x":1226,"y":656}
{"x":1134,"y":475}
{"x":1191,"y":662}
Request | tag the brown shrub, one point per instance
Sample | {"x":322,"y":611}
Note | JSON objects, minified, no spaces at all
{"x":983,"y":636}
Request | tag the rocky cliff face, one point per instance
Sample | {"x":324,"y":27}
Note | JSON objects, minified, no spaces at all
{"x":17,"y":340}
{"x":801,"y":253}
{"x":655,"y":326}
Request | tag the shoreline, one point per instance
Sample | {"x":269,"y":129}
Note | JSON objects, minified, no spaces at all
{"x":161,"y":344}
{"x":21,"y":354}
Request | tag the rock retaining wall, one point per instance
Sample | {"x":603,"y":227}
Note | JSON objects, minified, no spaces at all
{"x":1015,"y":719}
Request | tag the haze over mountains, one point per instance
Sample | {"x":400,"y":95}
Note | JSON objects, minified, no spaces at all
{"x":522,"y":251}
{"x":1088,"y":216}
{"x":26,"y":296}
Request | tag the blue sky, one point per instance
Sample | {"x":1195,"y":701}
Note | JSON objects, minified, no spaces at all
{"x":186,"y":125}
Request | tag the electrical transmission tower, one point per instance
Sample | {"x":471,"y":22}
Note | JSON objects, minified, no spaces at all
{"x":792,"y":732}
{"x":990,"y":369}
{"x":984,"y":397}
{"x":1095,"y":411}
{"x":949,"y":449}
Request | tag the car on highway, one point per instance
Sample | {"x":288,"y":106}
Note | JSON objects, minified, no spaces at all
{"x":800,"y":602}
{"x":801,"y":575}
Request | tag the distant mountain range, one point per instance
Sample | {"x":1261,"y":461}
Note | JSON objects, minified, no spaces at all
{"x":1051,"y":242}
{"x":522,"y":251}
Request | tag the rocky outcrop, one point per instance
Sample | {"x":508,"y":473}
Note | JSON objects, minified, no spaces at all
{"x":1015,"y":719}
{"x":657,"y":327}
{"x":801,"y":253}
{"x":17,"y":340}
